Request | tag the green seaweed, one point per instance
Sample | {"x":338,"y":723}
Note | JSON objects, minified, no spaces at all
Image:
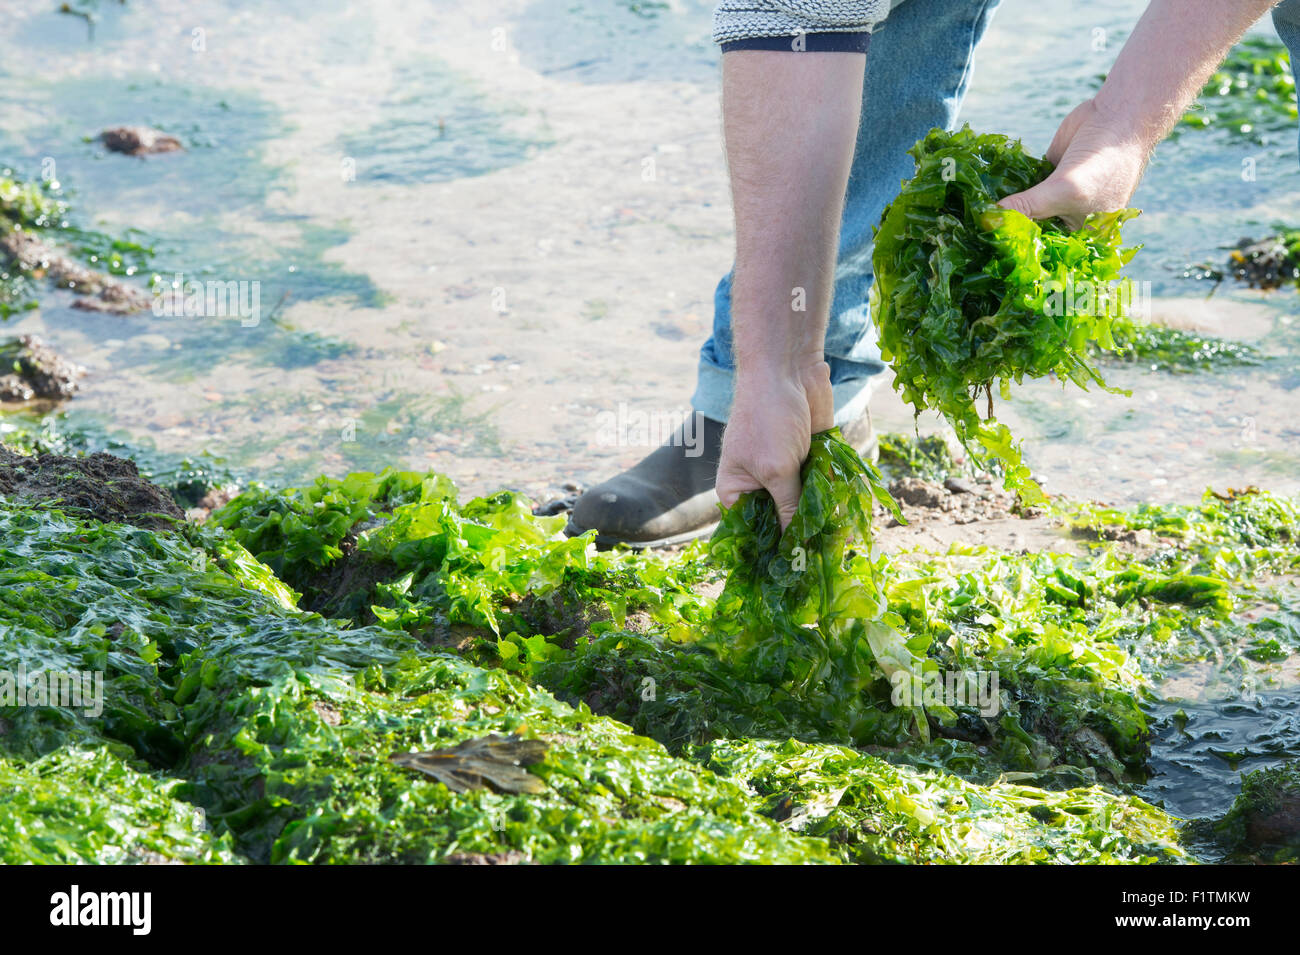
{"x":781,"y":652}
{"x":926,"y":457}
{"x":1251,"y":93}
{"x":280,"y":724}
{"x":801,"y":610}
{"x":882,"y":813}
{"x":1173,"y":350}
{"x":968,"y":295}
{"x":678,"y":726}
{"x":88,"y":807}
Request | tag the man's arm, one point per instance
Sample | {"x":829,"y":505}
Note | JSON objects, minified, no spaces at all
{"x":790,"y":122}
{"x":1101,"y":149}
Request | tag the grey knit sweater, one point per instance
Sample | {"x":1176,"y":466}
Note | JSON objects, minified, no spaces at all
{"x":749,"y":19}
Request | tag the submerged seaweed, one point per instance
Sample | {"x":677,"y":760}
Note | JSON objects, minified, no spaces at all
{"x":1174,"y":350}
{"x":1252,"y":92}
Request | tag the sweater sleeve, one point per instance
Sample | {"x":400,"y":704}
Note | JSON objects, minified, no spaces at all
{"x":739,"y":21}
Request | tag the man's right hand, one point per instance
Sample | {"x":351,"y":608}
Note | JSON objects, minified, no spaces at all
{"x":769,"y":432}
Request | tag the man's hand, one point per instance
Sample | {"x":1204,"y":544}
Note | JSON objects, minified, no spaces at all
{"x":769,"y":432}
{"x":1102,"y":147}
{"x":1097,"y":170}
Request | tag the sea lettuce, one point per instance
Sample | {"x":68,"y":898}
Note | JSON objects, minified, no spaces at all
{"x":804,"y":609}
{"x":969,"y":296}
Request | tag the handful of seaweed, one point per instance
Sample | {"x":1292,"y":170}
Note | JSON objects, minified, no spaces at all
{"x":804,"y":611}
{"x":968,"y":295}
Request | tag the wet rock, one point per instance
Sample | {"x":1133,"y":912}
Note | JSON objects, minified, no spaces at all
{"x":38,"y":371}
{"x":1264,"y":822}
{"x":98,"y":486}
{"x":1267,"y":264}
{"x":215,"y":497}
{"x":138,"y":141}
{"x":99,"y":292}
{"x":15,"y":388}
{"x":918,"y":493}
{"x":1092,"y":746}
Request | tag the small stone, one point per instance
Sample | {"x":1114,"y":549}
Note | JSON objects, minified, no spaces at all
{"x":138,"y":141}
{"x":13,"y":388}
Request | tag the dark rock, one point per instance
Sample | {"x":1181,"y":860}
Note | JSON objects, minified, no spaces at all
{"x":138,"y":141}
{"x":39,"y":372}
{"x":98,"y":486}
{"x":1264,"y":822}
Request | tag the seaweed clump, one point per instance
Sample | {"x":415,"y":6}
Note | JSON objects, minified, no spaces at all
{"x":969,"y":296}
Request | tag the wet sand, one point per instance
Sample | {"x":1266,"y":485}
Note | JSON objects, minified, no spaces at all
{"x":522,"y":303}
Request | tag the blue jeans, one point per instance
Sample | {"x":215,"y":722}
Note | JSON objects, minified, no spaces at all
{"x":918,"y":70}
{"x":1286,"y":19}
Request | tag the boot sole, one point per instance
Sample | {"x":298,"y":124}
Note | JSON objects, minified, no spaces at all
{"x":607,"y":542}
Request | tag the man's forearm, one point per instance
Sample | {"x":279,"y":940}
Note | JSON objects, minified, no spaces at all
{"x":1166,"y":61}
{"x":790,"y":121}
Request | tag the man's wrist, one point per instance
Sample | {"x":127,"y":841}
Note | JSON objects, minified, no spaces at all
{"x":1128,"y":126}
{"x":763,"y":371}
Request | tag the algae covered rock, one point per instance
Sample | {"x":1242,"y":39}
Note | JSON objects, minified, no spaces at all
{"x":1264,"y":821}
{"x":280,"y":724}
{"x":100,"y":486}
{"x":37,"y":371}
{"x":219,"y":693}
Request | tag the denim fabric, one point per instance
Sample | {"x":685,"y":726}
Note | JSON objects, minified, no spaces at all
{"x":918,"y":71}
{"x":1286,"y":18}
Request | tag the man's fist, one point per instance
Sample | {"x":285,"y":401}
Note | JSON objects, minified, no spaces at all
{"x":773,"y":419}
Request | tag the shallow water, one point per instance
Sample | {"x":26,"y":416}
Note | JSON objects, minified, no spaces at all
{"x":462,"y":263}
